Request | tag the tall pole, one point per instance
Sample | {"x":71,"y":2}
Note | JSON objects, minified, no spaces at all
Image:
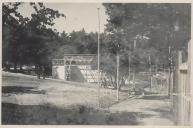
{"x":98,"y":56}
{"x":150,"y":72}
{"x":129,"y":67}
{"x":117,"y":77}
{"x":170,"y":63}
{"x":134,"y":46}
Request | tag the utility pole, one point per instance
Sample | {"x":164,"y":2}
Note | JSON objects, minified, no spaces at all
{"x":98,"y":66}
{"x":150,"y":72}
{"x":134,"y":45}
{"x":170,"y":68}
{"x":129,"y":67}
{"x":156,"y":68}
{"x":117,"y":77}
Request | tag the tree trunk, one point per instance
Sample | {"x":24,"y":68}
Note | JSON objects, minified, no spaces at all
{"x":15,"y":67}
{"x":38,"y":71}
{"x":20,"y":67}
{"x":122,"y":83}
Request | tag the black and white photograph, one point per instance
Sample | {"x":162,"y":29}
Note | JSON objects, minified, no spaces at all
{"x":102,"y":63}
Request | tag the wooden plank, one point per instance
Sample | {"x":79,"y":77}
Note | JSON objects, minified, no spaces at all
{"x":179,"y":88}
{"x":175,"y":88}
{"x":190,"y":89}
{"x":117,"y":77}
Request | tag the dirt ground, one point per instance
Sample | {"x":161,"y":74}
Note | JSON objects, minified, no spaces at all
{"x":27,"y":100}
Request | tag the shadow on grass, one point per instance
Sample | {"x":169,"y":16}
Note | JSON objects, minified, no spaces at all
{"x":164,"y":113}
{"x":21,"y":90}
{"x":154,"y":97}
{"x":75,"y":115}
{"x":150,"y":93}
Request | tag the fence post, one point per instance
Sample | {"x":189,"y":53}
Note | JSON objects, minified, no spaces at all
{"x":170,"y":61}
{"x":150,"y":73}
{"x":180,"y":90}
{"x":117,"y":77}
{"x":176,"y":88}
{"x":190,"y":71}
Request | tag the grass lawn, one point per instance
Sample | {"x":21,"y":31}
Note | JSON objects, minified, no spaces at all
{"x":27,"y":100}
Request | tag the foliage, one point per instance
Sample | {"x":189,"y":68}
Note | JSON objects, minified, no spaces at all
{"x":28,"y":41}
{"x":154,"y":27}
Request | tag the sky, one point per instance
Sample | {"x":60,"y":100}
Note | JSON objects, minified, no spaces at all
{"x":78,"y":16}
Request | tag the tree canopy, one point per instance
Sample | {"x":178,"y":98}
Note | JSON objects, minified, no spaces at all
{"x":28,"y":40}
{"x":160,"y":25}
{"x":143,"y":31}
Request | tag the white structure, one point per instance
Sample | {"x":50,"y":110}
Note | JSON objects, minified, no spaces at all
{"x":75,"y":67}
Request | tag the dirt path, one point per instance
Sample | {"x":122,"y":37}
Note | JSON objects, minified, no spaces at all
{"x":152,"y":110}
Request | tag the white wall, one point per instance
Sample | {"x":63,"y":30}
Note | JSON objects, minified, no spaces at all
{"x":58,"y":72}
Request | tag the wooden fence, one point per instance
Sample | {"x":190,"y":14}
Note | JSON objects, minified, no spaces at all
{"x":182,"y":91}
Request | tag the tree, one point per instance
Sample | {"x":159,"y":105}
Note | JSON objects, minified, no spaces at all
{"x":152,"y":20}
{"x":40,"y":35}
{"x":32,"y":38}
{"x":28,"y":41}
{"x":13,"y":33}
{"x":160,"y":25}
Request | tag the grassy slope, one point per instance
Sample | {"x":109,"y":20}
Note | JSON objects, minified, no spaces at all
{"x":27,"y":100}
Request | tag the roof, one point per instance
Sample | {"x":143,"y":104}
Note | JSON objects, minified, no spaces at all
{"x":80,"y":54}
